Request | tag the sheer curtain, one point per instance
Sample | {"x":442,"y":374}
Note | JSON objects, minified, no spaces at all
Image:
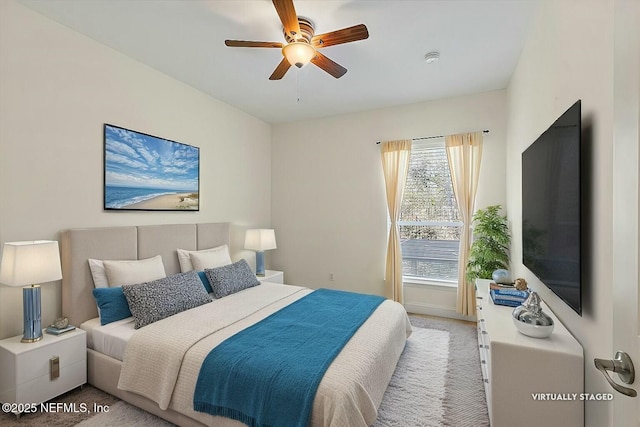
{"x":464,"y":152}
{"x":395,"y":166}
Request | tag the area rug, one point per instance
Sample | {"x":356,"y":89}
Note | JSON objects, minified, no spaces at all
{"x":417,"y":389}
{"x":464,"y":401}
{"x":437,"y":383}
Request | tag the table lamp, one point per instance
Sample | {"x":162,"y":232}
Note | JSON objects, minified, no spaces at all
{"x":28,"y":264}
{"x":260,"y":240}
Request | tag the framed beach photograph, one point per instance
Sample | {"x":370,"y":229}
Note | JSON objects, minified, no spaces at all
{"x":148,"y":173}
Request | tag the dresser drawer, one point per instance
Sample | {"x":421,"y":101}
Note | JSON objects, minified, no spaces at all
{"x":43,"y":388}
{"x":25,"y":368}
{"x":35,"y":364}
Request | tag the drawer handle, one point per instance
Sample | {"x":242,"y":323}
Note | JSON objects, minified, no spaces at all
{"x":485,"y":332}
{"x":483,"y":362}
{"x":478,"y":307}
{"x":486,"y":380}
{"x":54,"y":368}
{"x":482,"y":320}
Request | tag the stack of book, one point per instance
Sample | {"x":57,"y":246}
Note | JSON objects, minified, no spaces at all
{"x":57,"y":331}
{"x":507,"y":295}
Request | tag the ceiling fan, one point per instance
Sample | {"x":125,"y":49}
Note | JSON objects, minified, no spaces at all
{"x":302,"y":43}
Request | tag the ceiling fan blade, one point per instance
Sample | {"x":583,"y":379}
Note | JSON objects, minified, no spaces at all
{"x":331,"y":67}
{"x":245,"y":43}
{"x":345,"y":35}
{"x":287,"y":13}
{"x":280,"y":70}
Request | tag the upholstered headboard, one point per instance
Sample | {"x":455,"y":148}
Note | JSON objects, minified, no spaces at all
{"x":125,"y":243}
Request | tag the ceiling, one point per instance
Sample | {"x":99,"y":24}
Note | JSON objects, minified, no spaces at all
{"x":479,"y":42}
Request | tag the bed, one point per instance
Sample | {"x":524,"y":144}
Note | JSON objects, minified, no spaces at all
{"x":350,"y":391}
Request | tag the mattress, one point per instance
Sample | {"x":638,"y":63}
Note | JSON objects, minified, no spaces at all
{"x":110,"y":339}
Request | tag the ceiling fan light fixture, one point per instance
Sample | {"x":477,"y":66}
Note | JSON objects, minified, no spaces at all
{"x":299,"y":53}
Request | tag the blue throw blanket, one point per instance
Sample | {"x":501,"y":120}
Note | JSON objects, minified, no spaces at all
{"x":268,"y":374}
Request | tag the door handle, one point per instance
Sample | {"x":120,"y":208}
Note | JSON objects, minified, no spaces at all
{"x":621,"y":365}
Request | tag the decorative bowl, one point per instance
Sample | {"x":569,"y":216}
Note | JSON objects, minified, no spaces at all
{"x":530,"y":320}
{"x":534,"y":331}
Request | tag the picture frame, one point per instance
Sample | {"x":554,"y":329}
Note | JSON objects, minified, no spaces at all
{"x":143,"y":172}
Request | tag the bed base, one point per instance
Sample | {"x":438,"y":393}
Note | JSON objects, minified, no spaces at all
{"x":103,"y":373}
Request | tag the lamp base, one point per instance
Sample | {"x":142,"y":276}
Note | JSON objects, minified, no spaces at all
{"x":31,"y":308}
{"x":260,"y":263}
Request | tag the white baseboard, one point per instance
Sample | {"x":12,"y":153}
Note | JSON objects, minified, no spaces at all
{"x":436,"y":310}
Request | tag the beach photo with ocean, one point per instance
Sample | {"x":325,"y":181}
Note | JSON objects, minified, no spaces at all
{"x":144,"y":172}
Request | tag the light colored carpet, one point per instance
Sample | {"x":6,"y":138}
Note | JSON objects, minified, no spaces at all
{"x":437,"y":383}
{"x":123,"y":414}
{"x":86,"y":395}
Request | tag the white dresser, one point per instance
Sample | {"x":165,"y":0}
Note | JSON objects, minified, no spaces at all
{"x":32,"y":373}
{"x":520,"y":371}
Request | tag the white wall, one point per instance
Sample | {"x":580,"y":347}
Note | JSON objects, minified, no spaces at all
{"x":57,"y":88}
{"x":328,"y":201}
{"x":568,"y":57}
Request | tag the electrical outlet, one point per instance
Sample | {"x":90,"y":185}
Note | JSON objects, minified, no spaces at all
{"x":331,"y":277}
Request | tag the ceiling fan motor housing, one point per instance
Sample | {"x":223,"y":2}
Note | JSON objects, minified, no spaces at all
{"x":307,"y":31}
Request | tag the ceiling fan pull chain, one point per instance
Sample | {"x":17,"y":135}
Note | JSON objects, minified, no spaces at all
{"x":298,"y":84}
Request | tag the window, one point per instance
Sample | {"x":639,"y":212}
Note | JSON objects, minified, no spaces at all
{"x":429,"y":223}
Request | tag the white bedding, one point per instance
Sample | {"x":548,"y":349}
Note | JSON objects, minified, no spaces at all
{"x":110,"y":339}
{"x":163,"y":359}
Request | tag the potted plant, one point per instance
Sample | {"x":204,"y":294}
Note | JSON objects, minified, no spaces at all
{"x":490,"y":247}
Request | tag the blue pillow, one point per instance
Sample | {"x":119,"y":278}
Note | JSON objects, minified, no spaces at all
{"x":112,"y":304}
{"x":205,"y":281}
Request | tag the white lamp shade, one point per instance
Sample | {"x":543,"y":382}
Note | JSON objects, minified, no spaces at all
{"x":260,"y":239}
{"x":30,"y":263}
{"x":299,"y":53}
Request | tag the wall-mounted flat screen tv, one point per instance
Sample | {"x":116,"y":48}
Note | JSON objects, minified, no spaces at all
{"x":551,"y":194}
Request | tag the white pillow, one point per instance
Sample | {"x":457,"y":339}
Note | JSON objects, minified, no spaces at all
{"x":98,"y":274}
{"x":221,"y":257}
{"x":132,"y":272}
{"x":213,"y":259}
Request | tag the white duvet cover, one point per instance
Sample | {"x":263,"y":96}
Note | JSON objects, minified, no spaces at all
{"x":162,"y":360}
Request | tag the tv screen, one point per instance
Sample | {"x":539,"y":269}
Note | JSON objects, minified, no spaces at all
{"x":551,"y":208}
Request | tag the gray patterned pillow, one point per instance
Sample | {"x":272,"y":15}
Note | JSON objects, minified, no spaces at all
{"x":232,"y":278}
{"x":153,"y":301}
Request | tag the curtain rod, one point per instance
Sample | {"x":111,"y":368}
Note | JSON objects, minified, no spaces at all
{"x":433,"y":137}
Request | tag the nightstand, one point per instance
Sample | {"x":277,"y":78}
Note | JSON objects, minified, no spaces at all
{"x":37,"y":372}
{"x":272,"y":276}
